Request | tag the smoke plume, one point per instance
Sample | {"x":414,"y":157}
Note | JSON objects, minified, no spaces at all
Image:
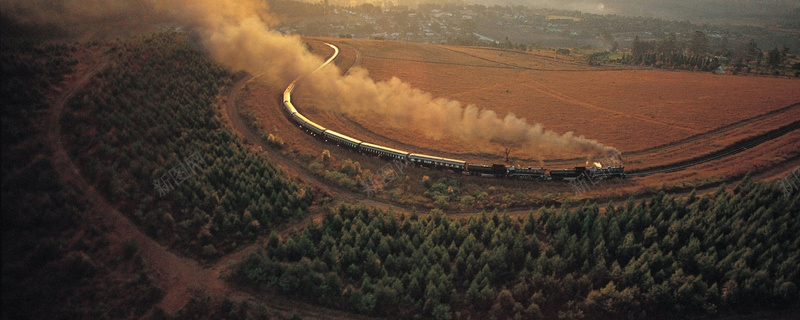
{"x":238,"y":34}
{"x":397,"y":105}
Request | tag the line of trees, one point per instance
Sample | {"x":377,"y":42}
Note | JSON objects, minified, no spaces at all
{"x":673,"y":54}
{"x":727,"y":252}
{"x":143,"y":115}
{"x":696,"y":54}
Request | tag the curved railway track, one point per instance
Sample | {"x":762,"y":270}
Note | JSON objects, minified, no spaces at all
{"x":459,"y":165}
{"x":730,"y":150}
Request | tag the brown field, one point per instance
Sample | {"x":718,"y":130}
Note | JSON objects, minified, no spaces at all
{"x":655,"y":117}
{"x":631,"y":109}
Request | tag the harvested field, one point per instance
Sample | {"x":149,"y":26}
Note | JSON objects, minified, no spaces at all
{"x":628,"y":109}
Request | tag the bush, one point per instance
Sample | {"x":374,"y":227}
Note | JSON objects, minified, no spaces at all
{"x":339,"y":178}
{"x":316,"y":167}
{"x":326,"y":157}
{"x":79,"y":265}
{"x":209,"y":251}
{"x":274,"y":141}
{"x":426,"y":182}
{"x":350,"y":167}
{"x":467,"y":201}
{"x":129,"y":248}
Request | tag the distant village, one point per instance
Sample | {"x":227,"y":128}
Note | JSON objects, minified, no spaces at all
{"x":510,"y":27}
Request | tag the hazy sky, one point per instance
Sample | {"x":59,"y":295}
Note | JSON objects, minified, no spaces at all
{"x":670,"y":9}
{"x":695,"y":10}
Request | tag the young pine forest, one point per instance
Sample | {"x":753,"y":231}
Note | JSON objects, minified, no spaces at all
{"x":724,"y":253}
{"x":148,"y":113}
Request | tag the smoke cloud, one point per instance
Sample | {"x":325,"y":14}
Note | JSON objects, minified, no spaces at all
{"x":237,"y":34}
{"x":397,"y":105}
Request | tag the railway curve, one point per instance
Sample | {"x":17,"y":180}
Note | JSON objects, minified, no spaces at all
{"x":730,"y":150}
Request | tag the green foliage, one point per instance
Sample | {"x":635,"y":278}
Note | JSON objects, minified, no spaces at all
{"x":316,"y":167}
{"x":209,"y":251}
{"x":147,"y":112}
{"x":443,"y":190}
{"x":350,"y":167}
{"x":340,"y":178}
{"x":668,"y":53}
{"x":722,"y":253}
{"x":426,"y":182}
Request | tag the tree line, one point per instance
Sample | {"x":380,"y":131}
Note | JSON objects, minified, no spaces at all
{"x":671,"y":53}
{"x":696,"y":54}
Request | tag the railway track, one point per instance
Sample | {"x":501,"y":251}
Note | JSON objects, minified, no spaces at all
{"x":730,"y":150}
{"x":735,"y":148}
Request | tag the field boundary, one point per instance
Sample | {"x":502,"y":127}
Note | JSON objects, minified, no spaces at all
{"x":732,"y":149}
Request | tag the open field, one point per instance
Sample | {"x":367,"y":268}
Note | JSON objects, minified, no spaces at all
{"x":627,"y":109}
{"x":654,"y":117}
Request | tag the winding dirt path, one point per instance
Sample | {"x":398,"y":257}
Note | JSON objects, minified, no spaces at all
{"x":181,"y":278}
{"x":177,"y":275}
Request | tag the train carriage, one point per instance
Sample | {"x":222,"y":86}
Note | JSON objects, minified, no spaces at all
{"x":290,"y":108}
{"x":287,"y":98}
{"x":309,"y":125}
{"x":340,"y":139}
{"x":437,"y":162}
{"x":383,"y":152}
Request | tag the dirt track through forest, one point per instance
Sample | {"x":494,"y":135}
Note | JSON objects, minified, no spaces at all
{"x":181,"y":278}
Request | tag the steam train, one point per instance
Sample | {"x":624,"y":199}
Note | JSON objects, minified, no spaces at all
{"x":455,"y":165}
